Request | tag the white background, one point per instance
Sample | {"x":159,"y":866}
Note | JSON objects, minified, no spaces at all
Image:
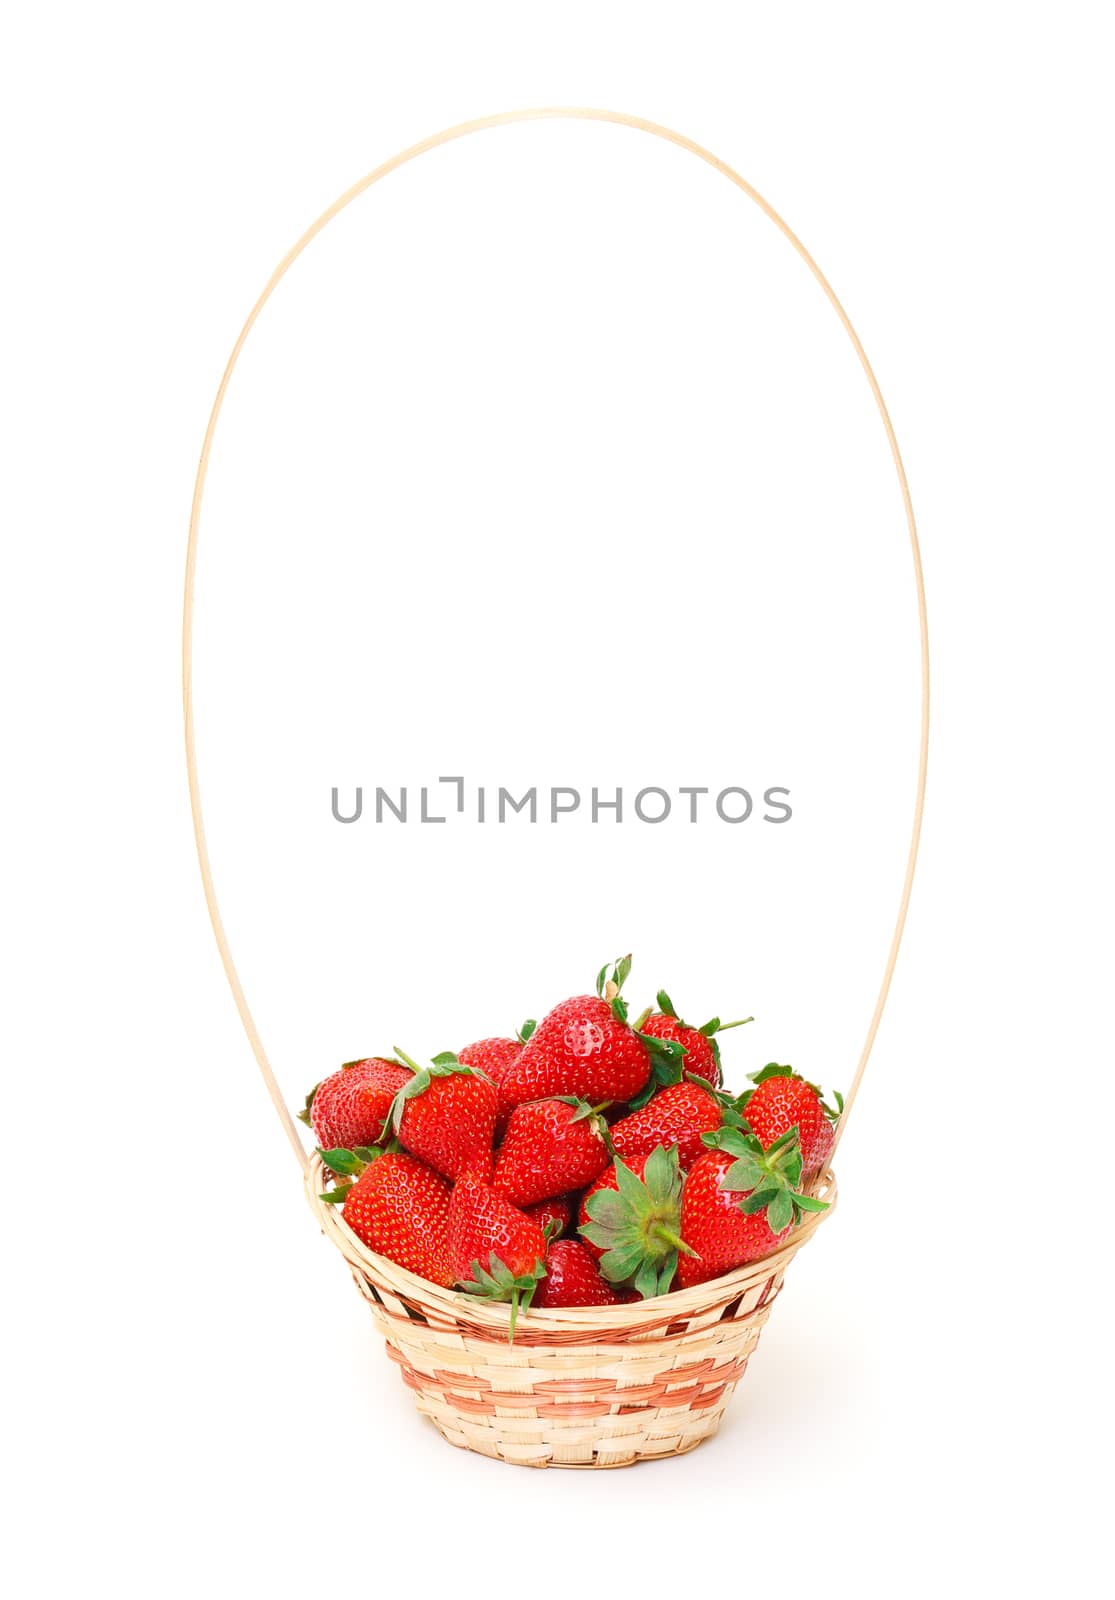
{"x":549,"y":463}
{"x":195,"y":1395}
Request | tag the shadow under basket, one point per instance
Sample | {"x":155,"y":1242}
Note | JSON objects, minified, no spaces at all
{"x":585,"y":1387}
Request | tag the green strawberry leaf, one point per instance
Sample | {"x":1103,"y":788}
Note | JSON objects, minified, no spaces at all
{"x":336,"y":1197}
{"x":771,"y":1070}
{"x":605,"y":1207}
{"x":722,"y":1027}
{"x":834,"y":1113}
{"x":735,"y":1141}
{"x":497,"y":1282}
{"x":638,"y":1101}
{"x":784,"y":1140}
{"x":621,"y":1263}
{"x":304,"y":1114}
{"x":345,"y":1163}
{"x":743,"y":1176}
{"x":667,"y":1270}
{"x":660,"y":1175}
{"x":665,"y":1004}
{"x":630,"y":1187}
{"x":526,"y":1030}
{"x":646,"y":1280}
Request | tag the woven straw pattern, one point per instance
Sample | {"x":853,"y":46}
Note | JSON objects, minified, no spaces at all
{"x":599,"y":1387}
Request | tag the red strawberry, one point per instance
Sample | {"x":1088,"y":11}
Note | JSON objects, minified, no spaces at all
{"x":572,"y":1278}
{"x":676,"y":1115}
{"x":782,"y":1100}
{"x":348,"y":1108}
{"x":495,"y":1250}
{"x":398,"y":1207}
{"x":446,"y":1114}
{"x":739,"y":1203}
{"x":550,"y":1147}
{"x":493,"y":1057}
{"x":631,"y":1221}
{"x":553,"y":1216}
{"x":585,"y":1047}
{"x":702,"y":1052}
{"x":821,"y":1151}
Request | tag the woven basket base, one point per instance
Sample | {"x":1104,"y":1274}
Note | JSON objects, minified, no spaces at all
{"x":611,"y":1406}
{"x":601,"y":1387}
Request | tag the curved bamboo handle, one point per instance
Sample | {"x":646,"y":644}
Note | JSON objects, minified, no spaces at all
{"x":583,"y":114}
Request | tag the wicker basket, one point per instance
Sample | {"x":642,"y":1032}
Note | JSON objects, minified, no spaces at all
{"x":601,"y":1387}
{"x":578,"y":1388}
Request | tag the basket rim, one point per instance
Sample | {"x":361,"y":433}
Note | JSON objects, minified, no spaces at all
{"x":493,"y":1317}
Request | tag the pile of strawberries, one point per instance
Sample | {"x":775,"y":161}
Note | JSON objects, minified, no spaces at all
{"x":588,"y":1161}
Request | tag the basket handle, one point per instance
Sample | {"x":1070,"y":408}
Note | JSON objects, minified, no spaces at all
{"x":447,"y":136}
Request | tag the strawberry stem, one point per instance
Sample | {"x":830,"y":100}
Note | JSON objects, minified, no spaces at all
{"x":405,"y":1059}
{"x":674,"y":1240}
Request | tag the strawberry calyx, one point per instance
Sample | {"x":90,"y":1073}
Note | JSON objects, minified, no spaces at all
{"x":304,"y":1114}
{"x":667,"y":1063}
{"x":349,"y":1164}
{"x":834,"y":1112}
{"x":584,"y":1112}
{"x":768,"y":1180}
{"x":445,"y":1065}
{"x":526,"y":1030}
{"x":708,"y":1029}
{"x":638,"y":1224}
{"x":498,"y":1282}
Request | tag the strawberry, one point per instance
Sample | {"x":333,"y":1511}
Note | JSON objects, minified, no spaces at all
{"x":348,"y":1108}
{"x":782,"y":1100}
{"x":676,"y":1115}
{"x":572,"y":1278}
{"x":446,"y":1115}
{"x":397,"y":1206}
{"x":550,"y":1147}
{"x":702,"y":1052}
{"x":631,"y":1221}
{"x":586,"y":1047}
{"x":495,"y":1250}
{"x":740,"y":1201}
{"x":553,"y":1216}
{"x":493,"y":1057}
